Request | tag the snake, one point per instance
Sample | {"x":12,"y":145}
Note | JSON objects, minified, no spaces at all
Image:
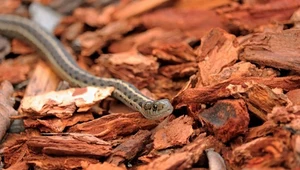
{"x":66,"y":67}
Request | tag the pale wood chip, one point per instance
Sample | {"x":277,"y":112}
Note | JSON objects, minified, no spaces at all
{"x":64,"y":103}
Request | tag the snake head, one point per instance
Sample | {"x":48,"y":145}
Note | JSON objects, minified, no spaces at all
{"x":157,"y":109}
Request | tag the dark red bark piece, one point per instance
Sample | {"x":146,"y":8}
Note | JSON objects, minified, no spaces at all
{"x":226,"y":119}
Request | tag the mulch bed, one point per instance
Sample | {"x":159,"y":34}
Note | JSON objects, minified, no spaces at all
{"x":231,"y":70}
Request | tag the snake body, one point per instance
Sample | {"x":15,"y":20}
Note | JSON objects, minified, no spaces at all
{"x":66,"y":67}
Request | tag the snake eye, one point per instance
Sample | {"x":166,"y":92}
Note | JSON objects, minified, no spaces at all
{"x":148,"y":106}
{"x":154,"y":107}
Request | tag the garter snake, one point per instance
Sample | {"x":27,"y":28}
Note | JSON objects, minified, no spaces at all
{"x":66,"y":67}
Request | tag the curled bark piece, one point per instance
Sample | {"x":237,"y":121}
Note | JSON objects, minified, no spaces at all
{"x":215,"y":161}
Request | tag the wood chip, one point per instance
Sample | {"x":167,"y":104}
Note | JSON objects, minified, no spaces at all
{"x":56,"y":125}
{"x":242,"y":69}
{"x":90,"y":41}
{"x":278,"y":50}
{"x":9,"y":6}
{"x":6,"y":107}
{"x":199,"y":22}
{"x":294,"y":96}
{"x":218,"y":50}
{"x":14,"y":149}
{"x":249,"y":16}
{"x":179,"y":70}
{"x":274,"y":152}
{"x":42,"y":80}
{"x":70,"y":162}
{"x":127,"y":66}
{"x":175,"y":133}
{"x":134,"y":41}
{"x":64,"y":103}
{"x":19,"y":47}
{"x":213,"y":93}
{"x":226,"y":119}
{"x":21,"y":67}
{"x":113,"y":125}
{"x":261,"y":100}
{"x":130,"y":148}
{"x":186,"y":156}
{"x":67,"y":146}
